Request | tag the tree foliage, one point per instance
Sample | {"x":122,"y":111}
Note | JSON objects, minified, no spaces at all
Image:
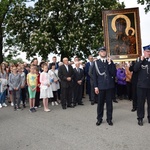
{"x":145,"y":2}
{"x":66,"y":28}
{"x":13,"y":60}
{"x":6,"y":8}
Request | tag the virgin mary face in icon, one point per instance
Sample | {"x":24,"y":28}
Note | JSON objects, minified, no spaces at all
{"x":121,"y":24}
{"x":120,"y":27}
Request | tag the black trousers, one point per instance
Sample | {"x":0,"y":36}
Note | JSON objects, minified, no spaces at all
{"x":94,"y":97}
{"x":23,"y":95}
{"x":143,"y":94}
{"x":54,"y":99}
{"x":37,"y":99}
{"x":66,"y":96}
{"x":83,"y":83}
{"x":114,"y":93}
{"x":88,"y":88}
{"x":16,"y":97}
{"x":121,"y":90}
{"x":134,"y":96}
{"x":77,"y":93}
{"x":129,"y":90}
{"x":102,"y":96}
{"x":59,"y":92}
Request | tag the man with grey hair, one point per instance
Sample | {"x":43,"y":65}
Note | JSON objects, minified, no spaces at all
{"x":78,"y":84}
{"x":66,"y":74}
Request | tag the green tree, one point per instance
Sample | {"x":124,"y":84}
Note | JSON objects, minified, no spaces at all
{"x":145,"y":2}
{"x":66,"y":28}
{"x":13,"y":60}
{"x":6,"y":8}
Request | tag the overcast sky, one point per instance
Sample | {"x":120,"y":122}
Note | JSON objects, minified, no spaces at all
{"x":144,"y":20}
{"x":144,"y":24}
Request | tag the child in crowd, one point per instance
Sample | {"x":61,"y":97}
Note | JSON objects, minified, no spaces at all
{"x":37,"y":95}
{"x":32,"y":84}
{"x":45,"y":88}
{"x":14,"y":85}
{"x":4,"y":77}
{"x":9,"y":71}
{"x":23,"y":85}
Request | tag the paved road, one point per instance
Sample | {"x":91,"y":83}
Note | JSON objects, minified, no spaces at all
{"x":72,"y":129}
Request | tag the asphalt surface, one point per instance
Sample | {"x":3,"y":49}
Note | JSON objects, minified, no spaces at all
{"x":72,"y":129}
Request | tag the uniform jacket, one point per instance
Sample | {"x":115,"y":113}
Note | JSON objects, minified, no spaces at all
{"x":104,"y":82}
{"x":134,"y":78}
{"x":63,"y":74}
{"x":143,"y":70}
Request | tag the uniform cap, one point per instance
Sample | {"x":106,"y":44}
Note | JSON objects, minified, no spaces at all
{"x":102,"y":49}
{"x":146,"y":47}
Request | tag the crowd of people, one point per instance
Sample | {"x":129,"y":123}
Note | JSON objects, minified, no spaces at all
{"x":66,"y":83}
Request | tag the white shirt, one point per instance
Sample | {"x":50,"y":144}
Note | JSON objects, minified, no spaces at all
{"x":66,"y":67}
{"x":103,"y":59}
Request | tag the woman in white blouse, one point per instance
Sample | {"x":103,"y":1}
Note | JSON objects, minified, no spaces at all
{"x":54,"y":83}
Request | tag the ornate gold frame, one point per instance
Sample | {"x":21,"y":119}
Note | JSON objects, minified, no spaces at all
{"x":122,"y":33}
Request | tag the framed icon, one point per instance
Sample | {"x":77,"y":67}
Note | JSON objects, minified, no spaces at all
{"x":122,"y":33}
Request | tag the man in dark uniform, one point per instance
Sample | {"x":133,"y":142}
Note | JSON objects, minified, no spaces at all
{"x":104,"y":72}
{"x":134,"y":80}
{"x":142,"y":66}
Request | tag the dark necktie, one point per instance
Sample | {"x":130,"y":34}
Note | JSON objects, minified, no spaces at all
{"x":67,"y":68}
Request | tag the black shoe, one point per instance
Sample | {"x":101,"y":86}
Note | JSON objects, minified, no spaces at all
{"x":70,"y":106}
{"x":74,"y":105}
{"x":15,"y":108}
{"x":34,"y":110}
{"x":63,"y":107}
{"x":140,"y":122}
{"x":18,"y":108}
{"x":133,"y":109}
{"x":110,"y":122}
{"x":24,"y":106}
{"x":98,"y":122}
{"x":115,"y":101}
{"x":92,"y":103}
{"x":80,"y":104}
{"x":148,"y":120}
{"x":31,"y":110}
